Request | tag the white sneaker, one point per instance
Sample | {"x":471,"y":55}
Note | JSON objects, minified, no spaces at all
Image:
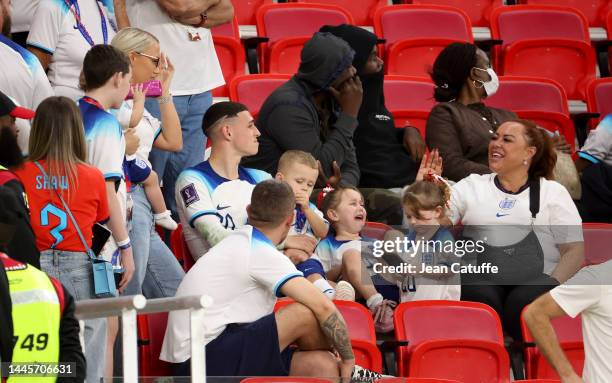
{"x":363,"y":375}
{"x":165,"y":220}
{"x":344,"y":292}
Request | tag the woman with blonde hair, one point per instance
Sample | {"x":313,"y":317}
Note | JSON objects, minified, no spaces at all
{"x":57,"y":166}
{"x":158,"y":273}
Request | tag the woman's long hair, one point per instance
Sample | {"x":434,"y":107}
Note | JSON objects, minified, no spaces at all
{"x":57,"y":137}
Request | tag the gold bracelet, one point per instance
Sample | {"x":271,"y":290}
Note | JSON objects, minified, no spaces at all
{"x":165,"y":99}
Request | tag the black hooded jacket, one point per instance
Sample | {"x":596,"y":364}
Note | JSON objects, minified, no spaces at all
{"x":289,"y":119}
{"x":382,"y":158}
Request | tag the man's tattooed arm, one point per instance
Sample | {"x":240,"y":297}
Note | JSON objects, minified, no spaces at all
{"x":336,"y":332}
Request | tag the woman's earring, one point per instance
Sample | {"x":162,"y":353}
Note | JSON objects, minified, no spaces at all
{"x":525,"y":162}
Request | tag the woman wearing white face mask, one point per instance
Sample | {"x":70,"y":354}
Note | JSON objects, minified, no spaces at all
{"x":461,"y":126}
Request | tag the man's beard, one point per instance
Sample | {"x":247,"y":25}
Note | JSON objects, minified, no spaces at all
{"x":6,"y":25}
{"x":10,"y":154}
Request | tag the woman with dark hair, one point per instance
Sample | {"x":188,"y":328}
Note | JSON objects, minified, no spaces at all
{"x":527,"y":223}
{"x":461,"y":125}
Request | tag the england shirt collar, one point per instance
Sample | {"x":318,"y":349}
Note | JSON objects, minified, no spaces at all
{"x":256,"y":234}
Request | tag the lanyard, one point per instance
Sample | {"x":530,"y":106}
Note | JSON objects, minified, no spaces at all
{"x":73,"y":5}
{"x":93,"y":102}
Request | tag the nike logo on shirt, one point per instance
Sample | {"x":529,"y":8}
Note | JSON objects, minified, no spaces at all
{"x":501,"y":215}
{"x":219,"y":207}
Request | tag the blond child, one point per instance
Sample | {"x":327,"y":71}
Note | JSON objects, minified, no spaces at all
{"x":139,"y":172}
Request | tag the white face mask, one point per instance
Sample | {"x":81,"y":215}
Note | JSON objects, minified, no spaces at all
{"x":492,"y":85}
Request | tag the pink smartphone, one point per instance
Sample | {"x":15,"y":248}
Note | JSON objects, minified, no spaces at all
{"x":153,"y":89}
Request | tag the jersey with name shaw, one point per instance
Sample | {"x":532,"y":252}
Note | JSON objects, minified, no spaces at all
{"x":201,"y":192}
{"x":243,"y":274}
{"x":50,"y":221}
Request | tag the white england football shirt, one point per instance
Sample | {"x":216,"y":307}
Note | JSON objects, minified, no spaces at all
{"x":243,"y":274}
{"x":201,"y":193}
{"x":197,"y":66}
{"x":300,"y":224}
{"x":22,"y":14}
{"x":504,"y":219}
{"x":26,"y":82}
{"x":589,"y":293}
{"x":53,"y":31}
{"x":147,"y":130}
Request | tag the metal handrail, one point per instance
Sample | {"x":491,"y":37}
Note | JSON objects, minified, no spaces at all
{"x":126,"y":308}
{"x":196,"y":305}
{"x":106,"y":307}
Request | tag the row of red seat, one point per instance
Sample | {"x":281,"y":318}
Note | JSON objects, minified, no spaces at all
{"x":410,"y":99}
{"x":554,"y":35}
{"x":446,"y":340}
{"x":479,"y":12}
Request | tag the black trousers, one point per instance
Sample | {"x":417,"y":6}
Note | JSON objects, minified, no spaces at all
{"x":509,"y":300}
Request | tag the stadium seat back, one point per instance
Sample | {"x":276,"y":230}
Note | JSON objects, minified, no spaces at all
{"x":285,"y":55}
{"x":180,"y":249}
{"x":569,"y":334}
{"x":525,"y":22}
{"x":529,"y":93}
{"x":458,"y":359}
{"x":245,"y":10}
{"x":597,"y":242}
{"x":425,"y":21}
{"x":252,"y":90}
{"x":599,"y":97}
{"x":408,"y":93}
{"x":285,"y":379}
{"x":414,"y":57}
{"x":541,"y":58}
{"x":415,"y":118}
{"x":593,"y":10}
{"x":362,"y":11}
{"x":227,"y":29}
{"x":151,"y":331}
{"x":277,"y":21}
{"x":554,"y":122}
{"x":232,"y":60}
{"x":375,"y":230}
{"x":479,"y":12}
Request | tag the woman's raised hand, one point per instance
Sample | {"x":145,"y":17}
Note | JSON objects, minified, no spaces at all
{"x":166,"y":74}
{"x":431,"y":163}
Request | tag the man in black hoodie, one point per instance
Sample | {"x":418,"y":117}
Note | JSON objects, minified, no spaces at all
{"x":388,"y":157}
{"x":316,"y":111}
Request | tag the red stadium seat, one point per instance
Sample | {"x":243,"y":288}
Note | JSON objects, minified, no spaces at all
{"x":593,"y":10}
{"x":252,"y":90}
{"x":285,"y":379}
{"x":431,"y":29}
{"x":245,"y":10}
{"x":569,"y":334}
{"x":232,"y":59}
{"x":537,"y":381}
{"x":597,"y":242}
{"x":285,"y":55}
{"x":151,"y":330}
{"x":479,"y":12}
{"x":180,"y":249}
{"x":279,"y":21}
{"x":555,"y":35}
{"x":375,"y":230}
{"x":415,"y":57}
{"x":599,"y":97}
{"x":227,"y":30}
{"x":447,"y":339}
{"x":362,"y":10}
{"x":416,"y":380}
{"x":410,"y":100}
{"x":529,"y":93}
{"x":361,"y":331}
